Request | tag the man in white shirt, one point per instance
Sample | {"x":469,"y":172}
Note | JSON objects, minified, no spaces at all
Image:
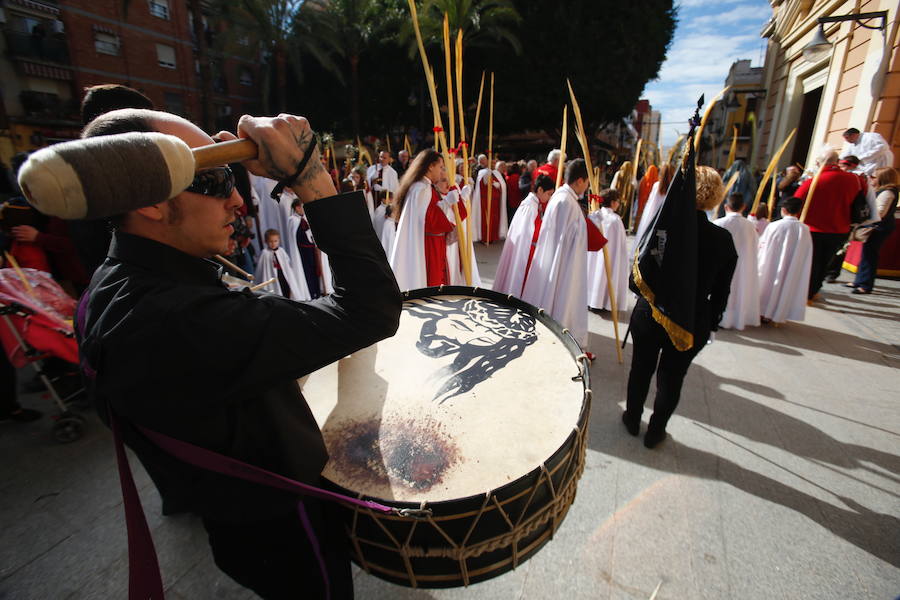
{"x":382,"y":177}
{"x":871,"y":148}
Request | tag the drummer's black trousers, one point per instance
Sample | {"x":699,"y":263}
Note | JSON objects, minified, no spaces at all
{"x":653,"y":351}
{"x":275,"y":559}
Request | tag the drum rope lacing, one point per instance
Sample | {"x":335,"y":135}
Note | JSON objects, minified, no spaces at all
{"x":521,"y":528}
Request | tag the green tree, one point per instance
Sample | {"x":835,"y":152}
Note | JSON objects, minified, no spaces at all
{"x":284,"y":39}
{"x":490,"y":24}
{"x":608,"y":55}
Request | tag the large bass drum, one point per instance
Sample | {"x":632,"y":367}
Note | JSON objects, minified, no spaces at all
{"x":477,"y":410}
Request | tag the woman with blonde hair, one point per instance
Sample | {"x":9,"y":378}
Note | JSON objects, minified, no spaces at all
{"x":886,"y":183}
{"x":653,"y":349}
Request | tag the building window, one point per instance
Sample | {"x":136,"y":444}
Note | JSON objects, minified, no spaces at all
{"x":174,"y":103}
{"x":106,"y":43}
{"x":159,"y":8}
{"x":246,"y":76}
{"x":165,"y":56}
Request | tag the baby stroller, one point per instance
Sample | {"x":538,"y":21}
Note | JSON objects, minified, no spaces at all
{"x":36,"y":325}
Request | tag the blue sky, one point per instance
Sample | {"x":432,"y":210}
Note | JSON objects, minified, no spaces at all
{"x":710,"y":36}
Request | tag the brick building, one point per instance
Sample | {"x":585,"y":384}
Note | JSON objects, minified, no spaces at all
{"x":53,"y":50}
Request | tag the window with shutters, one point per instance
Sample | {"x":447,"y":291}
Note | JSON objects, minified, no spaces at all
{"x":165,"y":56}
{"x":106,"y":43}
{"x":159,"y":8}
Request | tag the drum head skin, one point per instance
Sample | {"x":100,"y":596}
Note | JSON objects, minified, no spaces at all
{"x":469,"y":395}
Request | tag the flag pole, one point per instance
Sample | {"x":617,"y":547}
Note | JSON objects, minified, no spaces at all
{"x":467,"y":248}
{"x":562,"y":146}
{"x":490,"y":175}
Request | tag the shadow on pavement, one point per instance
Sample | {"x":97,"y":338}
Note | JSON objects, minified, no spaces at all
{"x":809,"y":337}
{"x":726,"y":411}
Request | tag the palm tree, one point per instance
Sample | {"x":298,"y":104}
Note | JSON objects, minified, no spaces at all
{"x":484,"y":23}
{"x":284,"y":38}
{"x":354,"y":25}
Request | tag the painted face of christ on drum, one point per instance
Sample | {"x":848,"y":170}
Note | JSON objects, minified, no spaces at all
{"x":483,"y":336}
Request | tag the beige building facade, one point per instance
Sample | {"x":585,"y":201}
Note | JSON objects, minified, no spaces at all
{"x":856,"y":84}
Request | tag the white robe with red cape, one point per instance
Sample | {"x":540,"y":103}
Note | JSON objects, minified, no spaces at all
{"x":454,"y":260}
{"x":743,"y":301}
{"x":610,"y":224}
{"x":497,"y":182}
{"x":557,"y":279}
{"x":265,"y":270}
{"x":510,"y":275}
{"x":407,"y":257}
{"x":785,"y":260}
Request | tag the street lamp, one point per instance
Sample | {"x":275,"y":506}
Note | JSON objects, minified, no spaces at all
{"x":819,"y":47}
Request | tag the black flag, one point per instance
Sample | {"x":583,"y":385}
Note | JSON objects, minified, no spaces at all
{"x":664,"y":271}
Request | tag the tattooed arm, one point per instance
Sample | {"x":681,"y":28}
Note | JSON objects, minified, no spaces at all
{"x":283,"y":142}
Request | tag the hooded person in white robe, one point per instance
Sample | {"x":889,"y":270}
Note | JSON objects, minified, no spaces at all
{"x":498,"y":183}
{"x":517,"y":254}
{"x":870,"y":148}
{"x":267,"y":210}
{"x":557,"y":279}
{"x":274,"y":263}
{"x":314,"y":272}
{"x":743,"y":301}
{"x":785,"y":261}
{"x":454,"y":258}
{"x":610,"y":225}
{"x":408,"y":255}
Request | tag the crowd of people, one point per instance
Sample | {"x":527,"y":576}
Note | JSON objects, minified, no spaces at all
{"x":335,"y":248}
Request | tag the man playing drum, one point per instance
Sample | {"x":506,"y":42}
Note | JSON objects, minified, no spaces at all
{"x":168,"y":348}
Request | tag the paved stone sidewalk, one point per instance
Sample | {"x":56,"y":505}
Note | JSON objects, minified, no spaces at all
{"x":781,"y":479}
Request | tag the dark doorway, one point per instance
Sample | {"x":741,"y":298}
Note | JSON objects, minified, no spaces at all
{"x":807,"y":123}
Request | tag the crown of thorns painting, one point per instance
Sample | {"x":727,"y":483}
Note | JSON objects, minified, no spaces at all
{"x":483,"y":336}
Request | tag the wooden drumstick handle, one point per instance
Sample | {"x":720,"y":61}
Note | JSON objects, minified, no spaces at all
{"x":230,"y":265}
{"x":223,"y":153}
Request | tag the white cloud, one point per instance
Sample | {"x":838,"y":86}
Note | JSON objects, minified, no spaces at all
{"x":745,"y":14}
{"x":705,"y":3}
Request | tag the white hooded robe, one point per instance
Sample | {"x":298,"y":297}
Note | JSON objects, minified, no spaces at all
{"x":510,"y":275}
{"x":557,"y":280}
{"x":785,"y":260}
{"x":610,"y":224}
{"x":743,"y":301}
{"x":499,"y":182}
{"x":265,"y":270}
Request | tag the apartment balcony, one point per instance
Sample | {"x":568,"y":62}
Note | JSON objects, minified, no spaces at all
{"x":48,"y":48}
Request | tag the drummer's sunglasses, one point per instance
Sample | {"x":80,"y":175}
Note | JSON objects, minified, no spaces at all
{"x":217,"y":182}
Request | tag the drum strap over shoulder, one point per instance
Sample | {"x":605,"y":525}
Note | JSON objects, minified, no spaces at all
{"x":145,"y":580}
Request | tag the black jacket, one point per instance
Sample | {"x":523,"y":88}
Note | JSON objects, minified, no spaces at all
{"x":176,"y":352}
{"x":716,"y":261}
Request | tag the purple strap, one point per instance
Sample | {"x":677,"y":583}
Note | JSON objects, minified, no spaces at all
{"x":314,"y":542}
{"x":219,"y":463}
{"x":144,"y":578}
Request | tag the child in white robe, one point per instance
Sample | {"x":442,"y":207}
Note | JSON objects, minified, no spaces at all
{"x":274,"y":263}
{"x":743,"y":301}
{"x":610,"y":224}
{"x":785,"y":260}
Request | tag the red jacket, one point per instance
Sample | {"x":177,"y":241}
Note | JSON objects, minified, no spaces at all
{"x":545,"y":169}
{"x":830,"y":208}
